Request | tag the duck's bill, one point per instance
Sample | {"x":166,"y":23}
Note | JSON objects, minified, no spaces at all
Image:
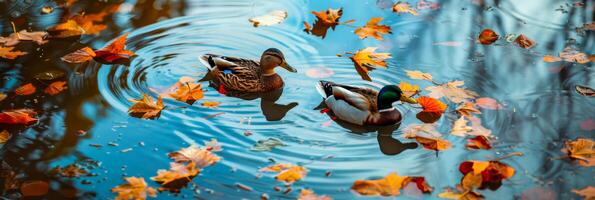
{"x":408,"y":100}
{"x":288,"y":67}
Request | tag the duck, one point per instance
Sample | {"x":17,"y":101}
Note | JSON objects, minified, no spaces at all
{"x":361,"y":105}
{"x":245,"y":75}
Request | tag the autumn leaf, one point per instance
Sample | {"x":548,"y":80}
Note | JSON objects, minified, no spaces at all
{"x":524,"y":42}
{"x":408,"y":89}
{"x":135,"y":188}
{"x":2,"y":96}
{"x":325,"y":19}
{"x":467,"y":195}
{"x":581,"y":149}
{"x":452,"y":92}
{"x":4,"y":137}
{"x":488,"y":103}
{"x":419,"y":75}
{"x":23,"y":35}
{"x":366,"y":59}
{"x":25,"y":90}
{"x":213,"y":146}
{"x":569,"y":54}
{"x":479,"y":142}
{"x":487,"y":37}
{"x":67,"y":29}
{"x":71,"y":171}
{"x":403,"y":7}
{"x":79,"y":56}
{"x":587,"y":192}
{"x":372,"y":29}
{"x":277,"y":167}
{"x":390,"y":185}
{"x":432,"y":109}
{"x":413,"y":130}
{"x":272,"y":18}
{"x":478,"y":128}
{"x":55,"y":87}
{"x":306,"y":194}
{"x":114,"y":53}
{"x":211,"y":104}
{"x":582,"y":90}
{"x":6,"y":52}
{"x":187,"y":92}
{"x":146,"y":107}
{"x":467,"y":108}
{"x":484,"y":174}
{"x":460,"y":128}
{"x":433,"y":143}
{"x":201,"y":157}
{"x":18,"y":116}
{"x":292,"y":174}
{"x":177,"y":176}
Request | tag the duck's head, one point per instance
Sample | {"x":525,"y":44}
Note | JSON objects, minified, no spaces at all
{"x":390,"y":94}
{"x":272,"y":58}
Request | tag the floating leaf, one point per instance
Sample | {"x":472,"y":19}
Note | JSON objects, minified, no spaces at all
{"x":390,"y":185}
{"x":267,"y":145}
{"x":201,"y":157}
{"x":55,"y":88}
{"x":366,"y":59}
{"x":408,"y":89}
{"x":524,"y":42}
{"x":114,"y":53}
{"x":419,"y":75}
{"x":489,"y":174}
{"x":277,"y":167}
{"x":433,"y":143}
{"x":372,"y":29}
{"x":460,"y":128}
{"x":213,"y":145}
{"x":6,"y":52}
{"x":4,"y":137}
{"x":47,"y":10}
{"x":272,"y":18}
{"x":416,"y":129}
{"x":67,"y":29}
{"x":23,"y":35}
{"x":467,"y":195}
{"x":403,"y":7}
{"x":467,"y":109}
{"x":211,"y":104}
{"x":479,"y":142}
{"x":71,"y":171}
{"x":585,"y":91}
{"x":25,"y":90}
{"x":587,"y":192}
{"x":452,"y":92}
{"x":487,"y":37}
{"x":18,"y":116}
{"x":177,"y":176}
{"x":325,"y":19}
{"x":292,"y":174}
{"x":306,"y":194}
{"x":136,"y":188}
{"x":79,"y":56}
{"x":488,"y":103}
{"x":583,"y":150}
{"x":34,"y":188}
{"x":432,"y":109}
{"x":146,"y":107}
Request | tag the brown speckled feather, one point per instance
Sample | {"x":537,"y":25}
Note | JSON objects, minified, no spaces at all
{"x":242,"y":74}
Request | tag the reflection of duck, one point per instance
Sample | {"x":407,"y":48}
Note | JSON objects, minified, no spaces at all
{"x":363,"y":106}
{"x":246,"y":75}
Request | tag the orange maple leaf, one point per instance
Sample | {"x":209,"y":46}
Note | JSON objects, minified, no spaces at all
{"x":177,"y":172}
{"x":583,"y":150}
{"x":367,"y":59}
{"x":479,"y":142}
{"x":390,"y":185}
{"x":201,"y":157}
{"x":6,"y":52}
{"x":403,"y":7}
{"x":372,"y":29}
{"x":55,"y":87}
{"x":292,"y":174}
{"x":325,"y":19}
{"x":26,"y":89}
{"x":484,"y":174}
{"x":115,"y":52}
{"x":136,"y":188}
{"x":18,"y":116}
{"x":146,"y":107}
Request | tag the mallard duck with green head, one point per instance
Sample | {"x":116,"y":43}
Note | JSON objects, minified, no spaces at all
{"x":361,"y":105}
{"x":245,"y":75}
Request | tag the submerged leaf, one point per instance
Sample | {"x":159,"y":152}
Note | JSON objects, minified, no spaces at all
{"x":488,"y":103}
{"x":372,"y":29}
{"x":419,"y":75}
{"x":272,"y":18}
{"x":524,"y":42}
{"x":136,"y":188}
{"x":35,"y":188}
{"x":366,"y":59}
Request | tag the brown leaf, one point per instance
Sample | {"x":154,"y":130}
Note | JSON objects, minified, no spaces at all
{"x":23,"y":35}
{"x":136,"y":188}
{"x":583,"y":150}
{"x":487,"y":37}
{"x":34,"y":188}
{"x":201,"y":157}
{"x":587,"y":192}
{"x":67,"y":29}
{"x":177,"y":176}
{"x":6,"y":52}
{"x":479,"y":142}
{"x":585,"y":91}
{"x":79,"y":56}
{"x":366,"y":59}
{"x":403,"y":7}
{"x":272,"y":18}
{"x":524,"y":42}
{"x":146,"y":107}
{"x":372,"y":29}
{"x":55,"y":88}
{"x":2,"y":96}
{"x":25,"y":90}
{"x":19,"y":116}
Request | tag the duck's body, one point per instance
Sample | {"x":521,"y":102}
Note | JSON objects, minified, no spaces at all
{"x":362,"y":106}
{"x":247,"y":75}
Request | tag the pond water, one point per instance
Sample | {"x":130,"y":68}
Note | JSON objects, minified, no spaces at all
{"x":541,"y":108}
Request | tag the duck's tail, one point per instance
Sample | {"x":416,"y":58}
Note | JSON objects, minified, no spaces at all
{"x":325,"y":88}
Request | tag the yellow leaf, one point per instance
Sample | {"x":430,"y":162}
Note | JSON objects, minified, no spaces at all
{"x":146,"y":107}
{"x":277,"y":167}
{"x":210,"y":104}
{"x":372,"y":29}
{"x":292,"y":174}
{"x":408,"y":89}
{"x":177,"y":171}
{"x":272,"y":18}
{"x":452,"y":92}
{"x":135,"y":188}
{"x":582,"y":149}
{"x":468,"y":195}
{"x":403,"y":7}
{"x":366,"y":59}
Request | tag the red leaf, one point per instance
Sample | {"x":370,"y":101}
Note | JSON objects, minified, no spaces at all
{"x":487,"y":37}
{"x":26,"y":89}
{"x":20,"y":116}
